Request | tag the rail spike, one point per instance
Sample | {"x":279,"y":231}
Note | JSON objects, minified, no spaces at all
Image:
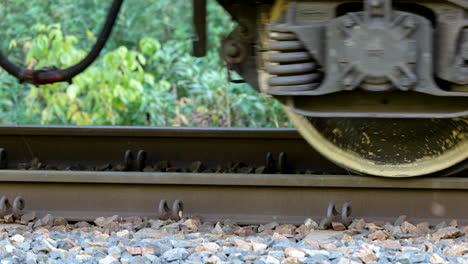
{"x":174,"y":213}
{"x":16,"y":210}
{"x":334,"y":216}
{"x":3,"y":159}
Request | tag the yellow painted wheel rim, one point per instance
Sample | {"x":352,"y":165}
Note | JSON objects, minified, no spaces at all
{"x":357,"y":163}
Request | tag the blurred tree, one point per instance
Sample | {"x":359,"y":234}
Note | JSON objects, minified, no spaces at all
{"x":145,"y":75}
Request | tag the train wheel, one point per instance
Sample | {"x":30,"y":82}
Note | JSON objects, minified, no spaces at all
{"x":389,"y":147}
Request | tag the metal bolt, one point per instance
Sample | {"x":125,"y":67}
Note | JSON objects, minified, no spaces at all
{"x":232,"y":50}
{"x":141,"y":160}
{"x":3,"y":158}
{"x":348,"y":22}
{"x":462,"y":75}
{"x":464,"y":51}
{"x":405,"y":83}
{"x":128,"y":160}
{"x":282,"y":162}
{"x":270,"y":162}
{"x":177,"y":210}
{"x":375,"y":3}
{"x":345,"y":214}
{"x":244,"y":30}
{"x":461,"y":78}
{"x":163,"y":210}
{"x":348,"y":81}
{"x":18,"y":206}
{"x":409,"y":22}
{"x":4,"y":206}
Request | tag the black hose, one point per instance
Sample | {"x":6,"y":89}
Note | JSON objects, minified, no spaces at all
{"x":53,"y":75}
{"x":10,"y":67}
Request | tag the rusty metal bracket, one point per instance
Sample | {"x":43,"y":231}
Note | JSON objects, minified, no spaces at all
{"x":173,"y":213}
{"x":334,"y":216}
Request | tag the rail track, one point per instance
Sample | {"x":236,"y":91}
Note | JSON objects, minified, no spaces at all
{"x":249,"y":176}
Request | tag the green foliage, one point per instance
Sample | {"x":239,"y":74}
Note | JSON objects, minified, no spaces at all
{"x":12,"y":104}
{"x":144,"y":77}
{"x":110,"y":92}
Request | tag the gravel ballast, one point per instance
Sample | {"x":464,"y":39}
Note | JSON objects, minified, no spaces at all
{"x":135,"y":240}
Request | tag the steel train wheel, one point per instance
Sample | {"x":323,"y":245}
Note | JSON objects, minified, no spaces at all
{"x":389,"y":147}
{"x":385,"y":147}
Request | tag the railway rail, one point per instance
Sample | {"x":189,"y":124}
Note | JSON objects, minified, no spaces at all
{"x":248,"y":176}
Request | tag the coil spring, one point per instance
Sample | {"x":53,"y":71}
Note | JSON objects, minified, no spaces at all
{"x":290,"y":65}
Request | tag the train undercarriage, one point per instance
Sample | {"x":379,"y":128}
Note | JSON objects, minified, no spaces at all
{"x":379,"y":87}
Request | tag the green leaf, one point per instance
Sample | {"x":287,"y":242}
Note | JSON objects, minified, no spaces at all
{"x":72,"y":91}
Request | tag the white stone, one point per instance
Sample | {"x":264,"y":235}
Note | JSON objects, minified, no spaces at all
{"x":294,"y":253}
{"x":310,"y":224}
{"x":108,"y":260}
{"x":9,"y":248}
{"x":242,"y":244}
{"x":17,"y":238}
{"x":322,"y":235}
{"x":271,"y":260}
{"x":436,"y":259}
{"x":344,"y":261}
{"x":83,"y":256}
{"x":256,"y":246}
{"x":123,"y":233}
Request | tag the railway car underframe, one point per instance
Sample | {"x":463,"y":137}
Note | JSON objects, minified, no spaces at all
{"x":377,"y":86}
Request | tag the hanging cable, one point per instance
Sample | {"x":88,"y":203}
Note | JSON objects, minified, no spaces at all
{"x":49,"y":75}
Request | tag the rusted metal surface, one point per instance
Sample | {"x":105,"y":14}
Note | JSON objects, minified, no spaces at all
{"x":131,"y":148}
{"x":244,"y":198}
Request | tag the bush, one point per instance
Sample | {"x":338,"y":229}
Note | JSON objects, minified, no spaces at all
{"x":139,"y":80}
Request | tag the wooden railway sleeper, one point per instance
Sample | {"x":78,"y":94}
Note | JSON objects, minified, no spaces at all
{"x":173,"y":213}
{"x":334,"y":216}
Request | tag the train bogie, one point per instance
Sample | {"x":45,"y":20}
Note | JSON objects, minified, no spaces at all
{"x":377,"y":86}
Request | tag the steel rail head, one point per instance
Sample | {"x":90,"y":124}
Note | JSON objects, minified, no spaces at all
{"x":49,"y":75}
